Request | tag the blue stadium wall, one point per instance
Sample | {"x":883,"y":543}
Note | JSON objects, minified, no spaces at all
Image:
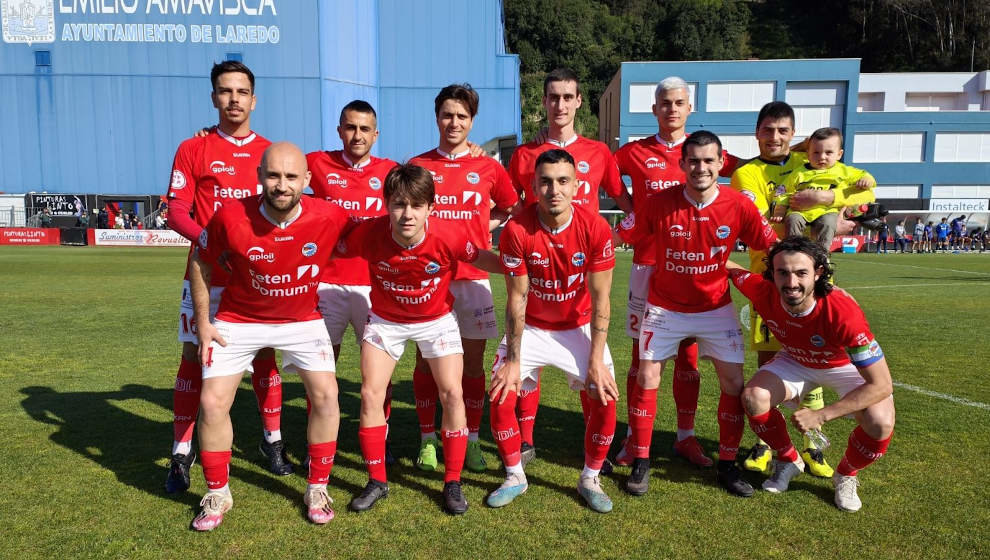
{"x":83,"y":111}
{"x":619,"y":123}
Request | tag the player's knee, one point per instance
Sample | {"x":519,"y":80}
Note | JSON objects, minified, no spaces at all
{"x":879,"y":424}
{"x":450,"y":397}
{"x":756,"y":400}
{"x":648,"y":377}
{"x":372,"y":398}
{"x":213,"y":405}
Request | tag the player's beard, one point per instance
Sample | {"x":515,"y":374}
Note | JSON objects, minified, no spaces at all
{"x":282,"y":205}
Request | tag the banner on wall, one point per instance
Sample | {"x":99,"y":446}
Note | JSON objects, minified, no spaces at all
{"x":136,"y":238}
{"x":30,"y":236}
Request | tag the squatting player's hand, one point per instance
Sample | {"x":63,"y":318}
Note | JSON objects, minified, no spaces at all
{"x":208,"y":334}
{"x":600,"y":384}
{"x":205,"y":131}
{"x":505,"y":379}
{"x":475,"y":150}
{"x":805,"y":419}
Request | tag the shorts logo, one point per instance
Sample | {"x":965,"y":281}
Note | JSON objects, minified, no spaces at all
{"x":28,"y":22}
{"x":677,"y":230}
{"x":583,"y":166}
{"x":432,"y":268}
{"x":473,"y":178}
{"x":309,"y":249}
{"x":510,"y":261}
{"x":817,"y":340}
{"x":335,"y":179}
{"x":722,"y":232}
{"x":217,"y":167}
{"x":655,"y":163}
{"x":375,"y":183}
{"x":178,"y":180}
{"x":577,"y":259}
{"x":256,"y":254}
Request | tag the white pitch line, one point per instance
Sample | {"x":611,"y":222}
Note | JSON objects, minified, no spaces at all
{"x":915,"y":266}
{"x":960,"y":283}
{"x":942,"y":396}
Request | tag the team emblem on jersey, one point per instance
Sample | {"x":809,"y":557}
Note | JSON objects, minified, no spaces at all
{"x":178,"y":180}
{"x":510,"y":261}
{"x":203,"y":239}
{"x":219,"y":166}
{"x":628,"y":222}
{"x":583,"y":166}
{"x":473,"y":178}
{"x":722,"y":232}
{"x":309,"y":249}
{"x":27,"y":21}
{"x":375,"y":183}
{"x":817,"y":340}
{"x":432,"y":268}
{"x":577,"y":259}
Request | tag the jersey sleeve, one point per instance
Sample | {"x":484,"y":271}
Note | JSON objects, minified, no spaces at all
{"x":612,"y":180}
{"x":637,"y":226}
{"x":503,"y":193}
{"x":854,"y":332}
{"x":513,"y":253}
{"x":603,"y":253}
{"x":756,"y":231}
{"x":213,"y":239}
{"x":752,"y":187}
{"x":730,"y":162}
{"x":622,"y":159}
{"x":182,"y":184}
{"x":749,"y":284}
{"x":515,"y":173}
{"x":354,"y":238}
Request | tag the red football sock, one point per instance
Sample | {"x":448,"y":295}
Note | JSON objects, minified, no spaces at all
{"x":631,"y":384}
{"x":772,"y":429}
{"x":861,"y":452}
{"x":426,"y":394}
{"x":505,"y":429}
{"x":526,"y":407}
{"x":730,"y":426}
{"x":321,"y":461}
{"x":185,"y":399}
{"x":585,"y":407}
{"x":216,"y":468}
{"x":387,"y":406}
{"x":686,"y":384}
{"x":474,"y":401}
{"x":372,"y":442}
{"x":642,"y":411}
{"x":454,"y":448}
{"x":599,"y":431}
{"x":268,"y":389}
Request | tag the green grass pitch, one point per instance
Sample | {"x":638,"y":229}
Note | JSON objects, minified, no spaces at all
{"x":89,"y":358}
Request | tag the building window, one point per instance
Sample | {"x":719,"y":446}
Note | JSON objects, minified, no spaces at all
{"x":960,"y":191}
{"x":934,"y":102}
{"x":740,"y":145}
{"x":739,"y":96}
{"x":889,"y":147}
{"x":43,"y":58}
{"x":962,"y":146}
{"x":642,"y":96}
{"x":870,"y":102}
{"x":898,"y":191}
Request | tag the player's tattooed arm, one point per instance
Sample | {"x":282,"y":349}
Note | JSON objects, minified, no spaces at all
{"x":199,"y":287}
{"x":506,"y":377}
{"x":599,"y":382}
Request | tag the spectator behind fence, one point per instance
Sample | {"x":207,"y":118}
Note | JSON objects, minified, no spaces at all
{"x":900,"y":237}
{"x":83,"y":220}
{"x":882,"y":234}
{"x":918,"y":240}
{"x":47,"y":220}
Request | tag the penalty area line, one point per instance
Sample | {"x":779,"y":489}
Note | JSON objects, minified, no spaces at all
{"x":960,"y":283}
{"x":851,"y":261}
{"x":942,"y":396}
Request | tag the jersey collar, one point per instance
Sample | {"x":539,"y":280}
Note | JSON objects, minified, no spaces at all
{"x":285,"y":224}
{"x":556,"y":231}
{"x":703,"y":205}
{"x":804,"y":314}
{"x":453,"y":156}
{"x":669,"y":145}
{"x":563,"y":143}
{"x":351,"y":164}
{"x":780,"y":163}
{"x":241,"y":142}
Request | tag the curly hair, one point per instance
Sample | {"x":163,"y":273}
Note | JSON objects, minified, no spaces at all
{"x":817,"y":254}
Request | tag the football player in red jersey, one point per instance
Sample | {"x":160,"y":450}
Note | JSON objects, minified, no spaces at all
{"x":276,"y":246}
{"x":352,"y":178}
{"x":825,"y":340}
{"x":694,"y":226}
{"x":467,"y":187}
{"x":412,"y":257}
{"x":209,"y":170}
{"x":595,"y":169}
{"x":558,"y":260}
{"x":652,"y":166}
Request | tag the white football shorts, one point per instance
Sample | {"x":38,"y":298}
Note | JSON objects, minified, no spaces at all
{"x":567,"y":350}
{"x":474,"y":308}
{"x":305,"y":345}
{"x":639,"y":287}
{"x":343,"y":305}
{"x":436,"y":338}
{"x":717,"y":332}
{"x":187,"y":319}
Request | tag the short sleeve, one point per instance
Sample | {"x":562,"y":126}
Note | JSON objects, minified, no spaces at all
{"x":603,"y":253}
{"x":612,"y":180}
{"x":182,"y":183}
{"x":503,"y":193}
{"x":756,"y":231}
{"x":512,"y":251}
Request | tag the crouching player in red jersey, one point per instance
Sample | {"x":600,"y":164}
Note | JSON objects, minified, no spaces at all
{"x":412,"y":261}
{"x":694,"y":226}
{"x":558,"y":261}
{"x":825,"y":341}
{"x":276,"y":246}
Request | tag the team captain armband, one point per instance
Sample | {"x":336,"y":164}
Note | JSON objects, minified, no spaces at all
{"x":862,"y":356}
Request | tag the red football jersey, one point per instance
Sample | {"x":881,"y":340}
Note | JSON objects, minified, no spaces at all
{"x":275,"y":268}
{"x":693,"y":243}
{"x":557,"y":263}
{"x":465,"y":188}
{"x":594,"y":167}
{"x":832,"y":334}
{"x":356,"y":189}
{"x":654,"y":165}
{"x":410,"y":285}
{"x":212,"y":170}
